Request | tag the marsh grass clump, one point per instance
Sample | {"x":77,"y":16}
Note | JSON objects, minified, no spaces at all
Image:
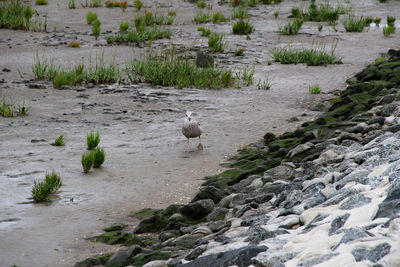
{"x":218,"y":17}
{"x":240,"y":13}
{"x":264,"y":84}
{"x":144,"y":34}
{"x":315,"y":56}
{"x":202,"y":17}
{"x":97,"y":73}
{"x":276,"y":14}
{"x":96,"y":28}
{"x":368,"y":20}
{"x":202,"y":4}
{"x":138,"y":4}
{"x":377,"y":21}
{"x":42,"y":191}
{"x":74,"y":44}
{"x":314,"y":89}
{"x":216,"y":42}
{"x":148,"y":19}
{"x":6,"y":109}
{"x":388,"y":30}
{"x":354,"y":24}
{"x":179,"y":71}
{"x":91,"y":17}
{"x":242,"y":27}
{"x":92,"y":140}
{"x":14,"y":15}
{"x":271,"y":2}
{"x":390,"y":20}
{"x":41,"y":2}
{"x":72,"y":4}
{"x":98,"y":157}
{"x":253,"y":3}
{"x":246,"y":76}
{"x":124,"y":26}
{"x":87,"y":161}
{"x":23,"y":109}
{"x":239,"y":52}
{"x":123,"y":5}
{"x":60,"y":141}
{"x":291,"y":28}
{"x":323,"y":12}
{"x":92,"y":3}
{"x":205,"y":32}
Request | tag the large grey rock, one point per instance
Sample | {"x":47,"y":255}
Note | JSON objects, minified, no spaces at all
{"x":199,"y":209}
{"x":355,"y":201}
{"x":217,"y":214}
{"x":390,"y":207}
{"x":318,"y":260}
{"x":239,"y":257}
{"x":281,"y":172}
{"x":210,"y":192}
{"x":338,"y":222}
{"x":374,"y":254}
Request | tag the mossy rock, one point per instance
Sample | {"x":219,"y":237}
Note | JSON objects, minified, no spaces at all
{"x":115,"y":227}
{"x":152,"y":224}
{"x":111,"y":238}
{"x":143,"y":258}
{"x":96,"y":260}
{"x":144,"y":213}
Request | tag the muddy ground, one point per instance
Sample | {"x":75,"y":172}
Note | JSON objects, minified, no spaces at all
{"x":146,"y":163}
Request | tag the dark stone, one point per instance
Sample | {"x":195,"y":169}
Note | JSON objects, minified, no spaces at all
{"x":352,"y":234}
{"x":210,"y":192}
{"x":195,"y":253}
{"x":199,"y":209}
{"x":217,"y":214}
{"x":150,"y":225}
{"x":257,"y":234}
{"x":96,"y":260}
{"x":374,"y":254}
{"x":390,"y":207}
{"x":37,"y":86}
{"x":388,"y":109}
{"x":355,"y":201}
{"x":256,"y":220}
{"x":239,"y":257}
{"x":318,"y":260}
{"x":260,"y":198}
{"x":204,"y":60}
{"x":143,"y":258}
{"x":269,"y":137}
{"x":281,"y":172}
{"x":338,"y":222}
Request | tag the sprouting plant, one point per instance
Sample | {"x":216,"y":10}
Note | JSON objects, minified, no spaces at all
{"x":172,"y":13}
{"x":41,"y":2}
{"x":201,"y":4}
{"x":320,"y":27}
{"x":242,"y":27}
{"x":91,"y":17}
{"x":6,"y":109}
{"x":240,"y":13}
{"x":354,"y":24}
{"x":124,"y":26}
{"x":92,"y":140}
{"x":202,"y":17}
{"x":98,"y":157}
{"x":205,"y":32}
{"x":74,"y":44}
{"x":123,"y":5}
{"x":23,"y":109}
{"x":276,"y":14}
{"x":390,"y":20}
{"x":377,"y":21}
{"x":218,"y":17}
{"x":314,"y":89}
{"x":291,"y":28}
{"x":72,"y":4}
{"x":388,"y":30}
{"x":138,"y":4}
{"x":246,"y":76}
{"x":216,"y":43}
{"x":239,"y":52}
{"x":96,"y":28}
{"x":43,"y":190}
{"x":368,"y":20}
{"x":60,"y":141}
{"x":87,"y":161}
{"x":264,"y":84}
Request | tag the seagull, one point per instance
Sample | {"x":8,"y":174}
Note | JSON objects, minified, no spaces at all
{"x":191,"y":129}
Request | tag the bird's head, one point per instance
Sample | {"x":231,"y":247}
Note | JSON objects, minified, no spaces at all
{"x":189,"y":115}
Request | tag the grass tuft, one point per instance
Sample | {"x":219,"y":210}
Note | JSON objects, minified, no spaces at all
{"x":216,"y":42}
{"x":240,"y":13}
{"x":291,"y":28}
{"x":354,"y":24}
{"x":314,"y":89}
{"x":87,"y":161}
{"x":60,"y":141}
{"x":41,"y":2}
{"x":74,"y":44}
{"x":242,"y":27}
{"x":43,"y":190}
{"x":179,"y":71}
{"x":239,"y":52}
{"x":14,"y":15}
{"x":98,"y":157}
{"x":202,"y":17}
{"x":91,"y":17}
{"x":312,"y":57}
{"x":264,"y":84}
{"x":218,"y":17}
{"x":124,"y":26}
{"x":202,"y":4}
{"x":323,"y":12}
{"x":139,"y":36}
{"x":92,"y":140}
{"x":138,"y":4}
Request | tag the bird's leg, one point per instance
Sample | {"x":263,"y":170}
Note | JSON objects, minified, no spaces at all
{"x":187,"y":145}
{"x":200,"y":146}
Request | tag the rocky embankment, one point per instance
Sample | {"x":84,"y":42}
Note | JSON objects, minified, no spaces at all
{"x":327,"y":193}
